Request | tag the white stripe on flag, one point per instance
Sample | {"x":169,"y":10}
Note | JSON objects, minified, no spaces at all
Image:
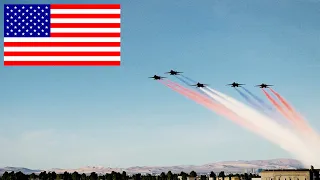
{"x":86,"y":30}
{"x":85,"y":11}
{"x":85,"y":20}
{"x":62,"y":49}
{"x":54,"y":39}
{"x":62,"y":58}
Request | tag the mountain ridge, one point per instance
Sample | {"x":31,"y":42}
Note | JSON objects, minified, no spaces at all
{"x":239,"y":166}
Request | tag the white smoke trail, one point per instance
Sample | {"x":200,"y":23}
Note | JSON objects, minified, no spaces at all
{"x":310,"y":136}
{"x":270,"y":130}
{"x":308,"y":142}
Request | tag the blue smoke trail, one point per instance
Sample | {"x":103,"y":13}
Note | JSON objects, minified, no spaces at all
{"x":252,"y":103}
{"x":194,"y":82}
{"x":262,"y":103}
{"x":189,"y":79}
{"x":182,"y":80}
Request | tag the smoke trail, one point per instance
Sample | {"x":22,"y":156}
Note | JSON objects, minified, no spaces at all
{"x":252,"y":103}
{"x":265,"y":105}
{"x":307,"y":131}
{"x":189,"y":78}
{"x":285,"y":138}
{"x":272,"y":114}
{"x":269,"y":110}
{"x":262,"y":109}
{"x":279,"y":108}
{"x":182,"y":80}
{"x":277,"y":134}
{"x":194,"y":93}
{"x":282,"y":100}
{"x":297,"y":151}
{"x":296,"y":115}
{"x":208,"y":103}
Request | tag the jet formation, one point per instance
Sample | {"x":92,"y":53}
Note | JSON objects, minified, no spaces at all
{"x":201,"y":85}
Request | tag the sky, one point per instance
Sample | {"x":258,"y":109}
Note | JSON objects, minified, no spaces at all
{"x":70,"y":117}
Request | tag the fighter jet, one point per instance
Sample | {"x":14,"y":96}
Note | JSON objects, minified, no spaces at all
{"x":172,"y":72}
{"x":199,"y":85}
{"x":155,"y":77}
{"x":263,"y":85}
{"x":234,"y":84}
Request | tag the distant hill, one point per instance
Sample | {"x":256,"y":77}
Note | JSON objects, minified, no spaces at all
{"x":240,"y":166}
{"x":17,"y":169}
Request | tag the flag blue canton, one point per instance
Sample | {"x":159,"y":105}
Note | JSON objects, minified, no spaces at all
{"x":27,"y":20}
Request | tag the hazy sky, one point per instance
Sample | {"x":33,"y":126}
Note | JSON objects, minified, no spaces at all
{"x":70,"y":117}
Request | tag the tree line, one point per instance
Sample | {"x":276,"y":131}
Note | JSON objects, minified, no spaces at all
{"x":119,"y":176}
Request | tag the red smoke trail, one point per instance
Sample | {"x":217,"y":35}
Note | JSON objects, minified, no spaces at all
{"x":199,"y":98}
{"x":208,"y":103}
{"x":285,"y":103}
{"x":197,"y":94}
{"x":298,"y":118}
{"x":278,"y":106}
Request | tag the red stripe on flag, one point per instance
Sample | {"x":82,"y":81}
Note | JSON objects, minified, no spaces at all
{"x":85,"y":15}
{"x":61,"y":44}
{"x":52,"y":53}
{"x":85,"y":34}
{"x":85,"y":25}
{"x":62,"y":63}
{"x":85,"y":6}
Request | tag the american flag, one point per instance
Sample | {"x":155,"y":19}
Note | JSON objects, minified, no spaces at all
{"x":62,"y":34}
